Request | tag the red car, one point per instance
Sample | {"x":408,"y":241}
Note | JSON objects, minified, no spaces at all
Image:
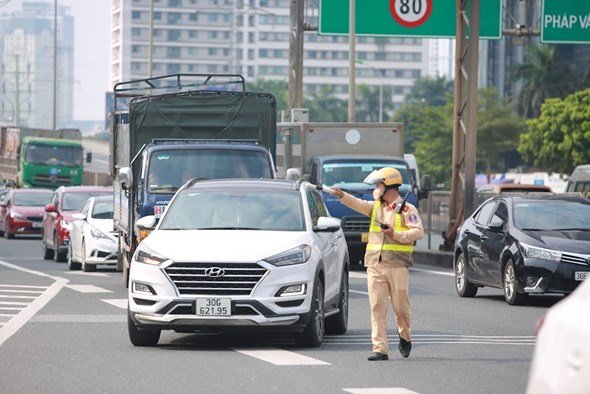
{"x":21,"y":211}
{"x":57,"y":221}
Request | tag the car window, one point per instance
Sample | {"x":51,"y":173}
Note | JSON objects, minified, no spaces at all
{"x":485,"y":213}
{"x":85,"y":208}
{"x":319,"y":202}
{"x":31,"y":199}
{"x":501,"y":212}
{"x":75,"y":201}
{"x":552,"y":215}
{"x":582,"y":187}
{"x":313,"y":208}
{"x":102,"y":209}
{"x":227,"y":209}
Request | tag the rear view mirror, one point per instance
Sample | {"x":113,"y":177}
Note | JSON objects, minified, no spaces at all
{"x":426,"y":182}
{"x":79,"y":216}
{"x":49,"y":208}
{"x":88,"y":157}
{"x":293,"y":174}
{"x":496,"y":225}
{"x":125,"y":177}
{"x":146,"y":223}
{"x":326,"y":224}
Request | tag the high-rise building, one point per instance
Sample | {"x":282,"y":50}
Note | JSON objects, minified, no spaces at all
{"x":26,"y":71}
{"x":251,"y":37}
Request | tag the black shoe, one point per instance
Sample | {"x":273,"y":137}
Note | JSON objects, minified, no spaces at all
{"x":376,"y":356}
{"x":405,"y":347}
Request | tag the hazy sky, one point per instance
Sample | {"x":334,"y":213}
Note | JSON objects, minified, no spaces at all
{"x":91,"y":53}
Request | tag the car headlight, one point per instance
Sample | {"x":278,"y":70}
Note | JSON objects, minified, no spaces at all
{"x":540,"y":253}
{"x":65,"y":224}
{"x":298,"y":255}
{"x":147,"y":256}
{"x":16,"y":215}
{"x":96,"y":233}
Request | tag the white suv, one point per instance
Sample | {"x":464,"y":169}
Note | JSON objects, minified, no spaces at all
{"x":227,"y":254}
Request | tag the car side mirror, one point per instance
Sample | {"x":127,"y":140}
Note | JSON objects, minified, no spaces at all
{"x":49,"y":208}
{"x":79,"y":216}
{"x":426,"y":183}
{"x":146,"y":223}
{"x":292,"y":174}
{"x":496,"y":225}
{"x":327,"y":225}
{"x":88,"y":157}
{"x":3,"y":204}
{"x":125,"y":177}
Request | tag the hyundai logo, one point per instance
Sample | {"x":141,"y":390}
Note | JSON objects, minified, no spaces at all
{"x":214,"y":272}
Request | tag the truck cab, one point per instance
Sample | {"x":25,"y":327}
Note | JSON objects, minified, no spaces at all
{"x":348,"y":173}
{"x":167,"y":165}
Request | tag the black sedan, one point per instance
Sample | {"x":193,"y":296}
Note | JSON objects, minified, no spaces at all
{"x":524,"y":245}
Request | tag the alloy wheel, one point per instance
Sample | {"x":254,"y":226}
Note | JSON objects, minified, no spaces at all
{"x":460,"y":273}
{"x":509,"y":281}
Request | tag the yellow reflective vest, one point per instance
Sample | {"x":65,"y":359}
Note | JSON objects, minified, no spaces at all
{"x":378,"y":242}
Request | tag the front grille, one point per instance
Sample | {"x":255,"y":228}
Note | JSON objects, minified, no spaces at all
{"x":47,"y":179}
{"x":575,"y":258}
{"x":239,"y":278}
{"x":34,"y":218}
{"x":355,"y":223}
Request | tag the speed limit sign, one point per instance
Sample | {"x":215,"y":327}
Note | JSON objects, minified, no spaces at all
{"x":410,"y":13}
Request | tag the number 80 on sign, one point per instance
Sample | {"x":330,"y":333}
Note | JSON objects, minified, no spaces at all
{"x":410,"y":13}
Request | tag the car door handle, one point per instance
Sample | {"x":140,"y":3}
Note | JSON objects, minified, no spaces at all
{"x":338,"y":236}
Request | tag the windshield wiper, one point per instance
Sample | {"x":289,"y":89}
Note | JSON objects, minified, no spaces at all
{"x":164,"y":189}
{"x":572,"y":229}
{"x":534,"y":229}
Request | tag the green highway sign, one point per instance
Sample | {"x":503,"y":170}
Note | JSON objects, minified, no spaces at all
{"x":565,"y":22}
{"x":406,"y":18}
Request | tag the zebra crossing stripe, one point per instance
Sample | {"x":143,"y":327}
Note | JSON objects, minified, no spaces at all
{"x":281,"y":357}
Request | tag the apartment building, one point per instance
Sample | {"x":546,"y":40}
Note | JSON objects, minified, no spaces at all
{"x":251,"y":37}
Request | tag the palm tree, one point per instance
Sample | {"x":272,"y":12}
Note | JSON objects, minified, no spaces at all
{"x":543,"y":77}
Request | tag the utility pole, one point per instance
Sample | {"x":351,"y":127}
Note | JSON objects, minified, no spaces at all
{"x":352,"y":62}
{"x":296,"y":55}
{"x":151,"y":40}
{"x":54,"y":123}
{"x":465,"y":118}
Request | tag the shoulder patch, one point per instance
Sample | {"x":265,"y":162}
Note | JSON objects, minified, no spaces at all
{"x":413,"y":218}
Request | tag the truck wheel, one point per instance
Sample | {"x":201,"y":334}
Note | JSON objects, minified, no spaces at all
{"x":47,"y":253}
{"x":141,"y":337}
{"x":72,"y":265}
{"x":120,"y":264}
{"x":313,"y":333}
{"x":338,"y":324}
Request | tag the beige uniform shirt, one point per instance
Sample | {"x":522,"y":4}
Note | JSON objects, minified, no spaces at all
{"x":411,"y":220}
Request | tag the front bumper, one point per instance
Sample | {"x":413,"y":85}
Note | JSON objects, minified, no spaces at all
{"x":543,"y":276}
{"x":102,"y":252}
{"x":165,"y":308}
{"x":22,"y":226}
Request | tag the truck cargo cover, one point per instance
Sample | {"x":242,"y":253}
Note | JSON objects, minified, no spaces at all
{"x":204,"y":115}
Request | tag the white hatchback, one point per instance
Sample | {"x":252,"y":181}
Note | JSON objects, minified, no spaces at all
{"x":241,"y":254}
{"x":92,"y":239}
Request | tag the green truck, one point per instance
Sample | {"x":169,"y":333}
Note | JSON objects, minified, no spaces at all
{"x":42,"y":158}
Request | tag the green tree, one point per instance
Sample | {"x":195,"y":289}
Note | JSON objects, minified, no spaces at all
{"x":498,"y":130}
{"x":367,"y":103}
{"x":279,"y":88}
{"x":326,"y":107}
{"x":431,"y":91}
{"x":543,"y":77}
{"x":559,"y":139}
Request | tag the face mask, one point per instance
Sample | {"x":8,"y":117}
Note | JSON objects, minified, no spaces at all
{"x":378,"y":192}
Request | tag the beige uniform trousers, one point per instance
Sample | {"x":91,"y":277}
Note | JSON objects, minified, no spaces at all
{"x":388,"y":283}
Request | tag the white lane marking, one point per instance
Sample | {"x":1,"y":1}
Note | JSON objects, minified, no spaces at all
{"x":358,"y":292}
{"x":20,"y":291}
{"x":17,"y":322}
{"x":8,"y":314}
{"x":443,"y":273}
{"x":79,"y":318}
{"x":13,"y":303}
{"x":88,"y":289}
{"x":102,"y":274}
{"x":381,"y":390}
{"x":281,"y":357}
{"x":24,"y":287}
{"x":451,"y":339}
{"x":119,"y":303}
{"x":358,"y":275}
{"x":13,"y":296}
{"x":5,"y":308}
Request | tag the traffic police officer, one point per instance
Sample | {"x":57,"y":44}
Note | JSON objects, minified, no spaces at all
{"x":391,"y":237}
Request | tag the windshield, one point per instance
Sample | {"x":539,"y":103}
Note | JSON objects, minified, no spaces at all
{"x":351,"y":174}
{"x":75,"y":201}
{"x":31,"y":199}
{"x":552,"y":215}
{"x":168,"y":170}
{"x":54,"y":155}
{"x":235,"y":209}
{"x":102,"y":209}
